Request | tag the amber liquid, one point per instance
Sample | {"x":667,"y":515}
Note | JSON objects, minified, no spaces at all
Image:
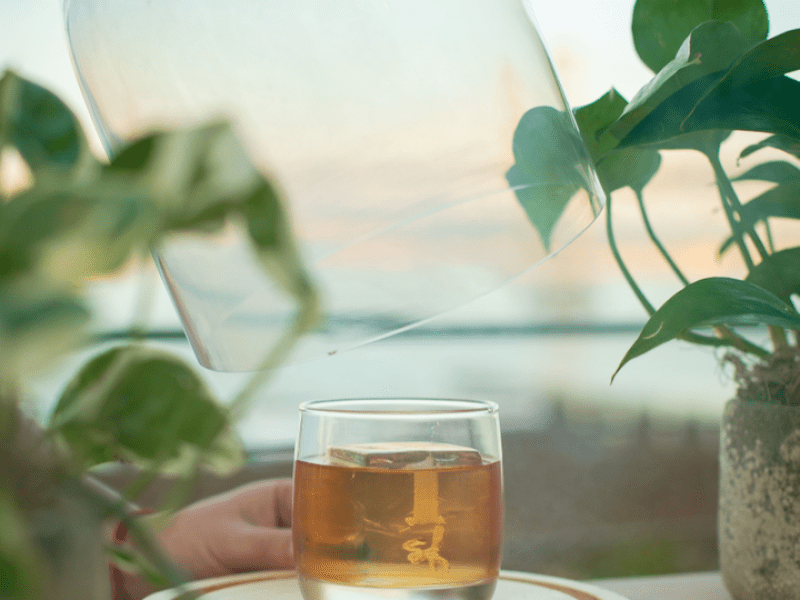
{"x":435,"y":529}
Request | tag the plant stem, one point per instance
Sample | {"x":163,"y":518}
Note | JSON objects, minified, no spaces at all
{"x":302,"y":323}
{"x":728,"y":339}
{"x":612,"y":242}
{"x":740,"y":343}
{"x":733,"y":211}
{"x":740,"y":226}
{"x":182,"y":488}
{"x":144,"y":302}
{"x":656,"y":241}
{"x":778,"y":337}
{"x":111,"y":503}
{"x":770,"y":241}
{"x":732,"y":341}
{"x":142,"y":481}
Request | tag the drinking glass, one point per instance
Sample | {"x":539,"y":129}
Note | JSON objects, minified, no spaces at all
{"x":425,"y":149}
{"x":398,"y":498}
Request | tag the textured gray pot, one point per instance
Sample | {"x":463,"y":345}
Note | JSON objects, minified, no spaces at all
{"x":759,"y":501}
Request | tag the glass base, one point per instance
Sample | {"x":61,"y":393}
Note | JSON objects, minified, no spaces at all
{"x":314,"y":589}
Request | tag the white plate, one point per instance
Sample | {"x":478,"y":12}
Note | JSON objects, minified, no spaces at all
{"x":282,"y":585}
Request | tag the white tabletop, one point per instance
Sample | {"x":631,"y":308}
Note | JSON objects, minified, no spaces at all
{"x":707,"y":586}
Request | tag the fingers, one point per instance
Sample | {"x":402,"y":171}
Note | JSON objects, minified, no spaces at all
{"x":265,"y":503}
{"x":256,"y":548}
{"x":283,"y":502}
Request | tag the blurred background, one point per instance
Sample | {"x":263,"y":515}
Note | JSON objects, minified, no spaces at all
{"x":618,"y":479}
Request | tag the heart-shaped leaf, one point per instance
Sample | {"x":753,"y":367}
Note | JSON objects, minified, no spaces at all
{"x":708,"y":302}
{"x":549,"y":157}
{"x":141,"y":405}
{"x":594,"y":120}
{"x":659,"y":27}
{"x":767,"y":60}
{"x":710,"y":48}
{"x":752,"y":94}
{"x":39,"y":125}
{"x":633,"y":167}
{"x":748,"y":97}
{"x":771,"y":106}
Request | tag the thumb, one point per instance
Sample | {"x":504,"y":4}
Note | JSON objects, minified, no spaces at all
{"x":260,"y":548}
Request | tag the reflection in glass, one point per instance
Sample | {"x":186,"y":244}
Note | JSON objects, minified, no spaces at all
{"x":413,"y":140}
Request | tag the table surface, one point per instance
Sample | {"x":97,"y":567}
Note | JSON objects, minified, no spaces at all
{"x":702,"y":586}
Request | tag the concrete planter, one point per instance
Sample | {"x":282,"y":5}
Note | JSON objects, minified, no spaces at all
{"x":759,"y":501}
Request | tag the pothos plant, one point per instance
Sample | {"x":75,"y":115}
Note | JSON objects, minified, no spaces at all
{"x":78,"y":218}
{"x":715,"y":72}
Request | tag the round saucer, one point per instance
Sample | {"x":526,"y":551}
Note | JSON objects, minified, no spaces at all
{"x":282,"y":585}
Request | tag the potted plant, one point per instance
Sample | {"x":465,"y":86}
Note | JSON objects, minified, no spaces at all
{"x":72,"y":218}
{"x":715,"y":72}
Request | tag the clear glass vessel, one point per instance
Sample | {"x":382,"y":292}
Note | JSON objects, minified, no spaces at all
{"x":398,"y":498}
{"x":412,"y":140}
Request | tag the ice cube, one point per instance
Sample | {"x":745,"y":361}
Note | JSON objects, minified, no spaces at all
{"x":403,"y":455}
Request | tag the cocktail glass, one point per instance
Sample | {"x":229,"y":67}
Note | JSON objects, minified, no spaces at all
{"x":398,"y":498}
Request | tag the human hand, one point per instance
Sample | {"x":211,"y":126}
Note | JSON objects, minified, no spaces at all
{"x":246,"y":529}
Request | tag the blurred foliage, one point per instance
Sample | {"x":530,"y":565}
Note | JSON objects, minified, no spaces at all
{"x":78,"y":218}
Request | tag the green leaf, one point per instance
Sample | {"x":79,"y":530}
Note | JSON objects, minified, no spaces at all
{"x":780,"y":142}
{"x":659,"y":27}
{"x":708,"y":302}
{"x":776,"y":171}
{"x":771,"y":106}
{"x":275,"y":246}
{"x":753,"y":95}
{"x":211,"y":180}
{"x":39,"y":125}
{"x":707,"y":141}
{"x":779,"y":275}
{"x":767,"y":60}
{"x":543,"y":203}
{"x":548,"y":172}
{"x":67,"y":232}
{"x":782,"y":201}
{"x":594,"y":120}
{"x":710,"y":48}
{"x":38,"y":324}
{"x":616,"y":169}
{"x":141,"y":405}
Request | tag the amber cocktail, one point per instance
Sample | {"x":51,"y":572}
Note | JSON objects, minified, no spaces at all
{"x":398,"y":499}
